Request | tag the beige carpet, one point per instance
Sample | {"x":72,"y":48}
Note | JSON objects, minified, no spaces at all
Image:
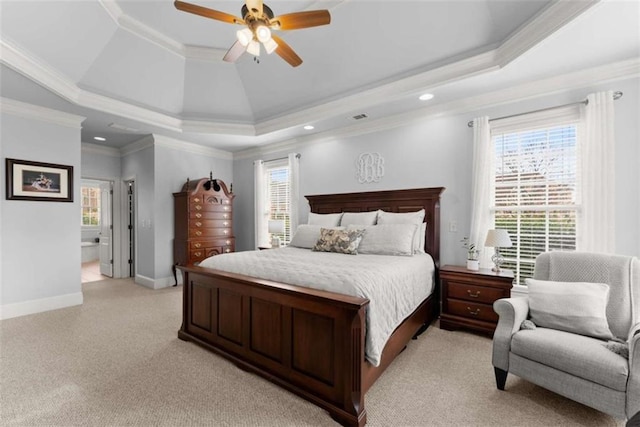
{"x":116,"y":361}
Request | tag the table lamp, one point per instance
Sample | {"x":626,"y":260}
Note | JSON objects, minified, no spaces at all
{"x":275,"y":227}
{"x":497,"y":239}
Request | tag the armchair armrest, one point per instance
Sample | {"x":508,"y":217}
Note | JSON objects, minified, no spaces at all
{"x":633,"y":384}
{"x":512,"y":312}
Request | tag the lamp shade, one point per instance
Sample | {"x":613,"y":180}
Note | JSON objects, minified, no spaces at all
{"x":276,"y":226}
{"x":498,"y":238}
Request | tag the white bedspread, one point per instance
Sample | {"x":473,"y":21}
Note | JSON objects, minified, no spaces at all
{"x":395,"y":285}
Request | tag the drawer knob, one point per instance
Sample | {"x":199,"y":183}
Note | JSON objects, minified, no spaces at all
{"x":198,"y":215}
{"x":473,"y":295}
{"x":198,"y":233}
{"x":198,"y":207}
{"x":197,"y":253}
{"x":197,"y":245}
{"x":225,"y":223}
{"x":227,"y":250}
{"x":226,"y":231}
{"x":198,"y":224}
{"x":225,"y":216}
{"x":473,"y":312}
{"x":197,"y":200}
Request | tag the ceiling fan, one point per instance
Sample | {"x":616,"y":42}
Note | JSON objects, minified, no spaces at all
{"x":259,"y":19}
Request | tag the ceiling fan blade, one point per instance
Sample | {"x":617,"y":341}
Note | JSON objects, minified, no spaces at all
{"x":255,"y":5}
{"x":207,"y":13}
{"x":285,"y":52}
{"x":234,"y":52}
{"x":297,"y":20}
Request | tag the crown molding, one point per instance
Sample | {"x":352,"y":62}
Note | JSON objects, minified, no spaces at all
{"x":541,"y":26}
{"x":212,"y":127}
{"x":139,"y":145}
{"x":176,"y":144}
{"x":35,"y":112}
{"x":201,"y":53}
{"x":89,"y":147}
{"x":604,"y":74}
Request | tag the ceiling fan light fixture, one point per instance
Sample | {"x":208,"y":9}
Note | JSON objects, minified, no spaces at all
{"x":270,"y":46}
{"x":263,"y":33}
{"x":244,"y":36}
{"x":254,"y":48}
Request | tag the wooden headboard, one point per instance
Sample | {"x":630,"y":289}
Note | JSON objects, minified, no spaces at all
{"x":391,"y":201}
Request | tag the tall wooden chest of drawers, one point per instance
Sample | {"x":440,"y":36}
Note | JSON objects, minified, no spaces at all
{"x":468,"y":297}
{"x":203,"y":221}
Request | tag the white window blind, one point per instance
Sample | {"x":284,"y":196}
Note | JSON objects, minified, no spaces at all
{"x":279,"y":195}
{"x":536,"y":189}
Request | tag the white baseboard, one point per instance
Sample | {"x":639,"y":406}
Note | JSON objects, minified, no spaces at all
{"x":164,"y":282}
{"x":24,"y":308}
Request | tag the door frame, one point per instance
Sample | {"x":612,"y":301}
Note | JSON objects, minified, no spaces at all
{"x":124,"y":230}
{"x":116,"y":221}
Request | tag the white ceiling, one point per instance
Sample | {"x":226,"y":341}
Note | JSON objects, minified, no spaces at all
{"x":150,"y":68}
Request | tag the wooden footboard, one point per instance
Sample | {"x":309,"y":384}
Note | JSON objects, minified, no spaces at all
{"x":308,"y":341}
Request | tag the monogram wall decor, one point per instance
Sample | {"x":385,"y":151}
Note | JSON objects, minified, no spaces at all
{"x":369,"y":168}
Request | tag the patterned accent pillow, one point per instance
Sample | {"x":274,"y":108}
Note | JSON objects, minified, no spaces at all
{"x":340,"y":241}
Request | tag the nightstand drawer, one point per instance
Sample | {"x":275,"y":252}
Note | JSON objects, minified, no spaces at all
{"x":472,"y":310}
{"x":478,"y":294}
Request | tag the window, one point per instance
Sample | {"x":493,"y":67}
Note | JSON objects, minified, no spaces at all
{"x":279,"y":196}
{"x":535,"y":192}
{"x":90,"y":206}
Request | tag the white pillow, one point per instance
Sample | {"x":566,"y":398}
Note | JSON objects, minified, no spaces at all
{"x":387,"y":239}
{"x":423,"y":237}
{"x":307,"y":235}
{"x":327,"y":220}
{"x":358,"y":218}
{"x":577,"y":307}
{"x":416,"y":218}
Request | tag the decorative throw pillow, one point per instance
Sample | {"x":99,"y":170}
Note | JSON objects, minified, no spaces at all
{"x":307,"y":235}
{"x":527,"y":324}
{"x":619,"y":348}
{"x":340,"y":241}
{"x":576,"y":307}
{"x":358,"y":218}
{"x":416,"y":218}
{"x":387,"y":239}
{"x":327,"y":220}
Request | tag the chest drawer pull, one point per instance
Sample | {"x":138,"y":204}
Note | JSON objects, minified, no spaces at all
{"x":225,"y":216}
{"x":198,"y":224}
{"x":225,"y":223}
{"x":197,"y":254}
{"x":228,"y":242}
{"x":198,"y":233}
{"x":198,"y":215}
{"x":473,"y":312}
{"x":226,"y":231}
{"x":226,"y":208}
{"x":473,"y":295}
{"x":198,"y":245}
{"x":227,"y":250}
{"x":198,"y":207}
{"x":197,"y":200}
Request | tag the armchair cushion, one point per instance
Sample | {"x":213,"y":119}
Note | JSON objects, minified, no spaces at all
{"x":578,"y":307}
{"x":574,"y":354}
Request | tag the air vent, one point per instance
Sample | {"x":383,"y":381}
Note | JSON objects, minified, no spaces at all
{"x":360,"y":116}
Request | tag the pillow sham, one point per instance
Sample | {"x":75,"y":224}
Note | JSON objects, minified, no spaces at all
{"x":358,"y":218}
{"x":416,"y":218}
{"x":576,"y":307}
{"x":388,"y":239}
{"x":328,"y":220}
{"x":307,"y":235}
{"x":340,"y":241}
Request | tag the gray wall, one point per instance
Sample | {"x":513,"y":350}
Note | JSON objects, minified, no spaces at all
{"x":438,"y":152}
{"x":173,"y":167}
{"x":40,"y":240}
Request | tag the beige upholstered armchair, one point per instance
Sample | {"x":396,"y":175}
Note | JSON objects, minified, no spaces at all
{"x":590,"y":370}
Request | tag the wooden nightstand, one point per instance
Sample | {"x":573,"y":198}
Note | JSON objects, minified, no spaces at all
{"x":468,"y":297}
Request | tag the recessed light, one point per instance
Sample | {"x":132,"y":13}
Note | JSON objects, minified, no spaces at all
{"x":99,"y":138}
{"x":308,"y":127}
{"x":426,"y":96}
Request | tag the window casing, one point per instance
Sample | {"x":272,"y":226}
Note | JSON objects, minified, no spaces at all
{"x":278,"y":198}
{"x":536,"y":194}
{"x":90,"y":206}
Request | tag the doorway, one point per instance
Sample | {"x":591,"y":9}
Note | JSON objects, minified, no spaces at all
{"x":131,"y":221}
{"x":96,"y":229}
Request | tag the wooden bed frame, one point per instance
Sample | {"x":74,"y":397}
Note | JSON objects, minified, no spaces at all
{"x":307,"y":341}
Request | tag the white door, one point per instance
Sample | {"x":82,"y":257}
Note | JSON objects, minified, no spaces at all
{"x":106,"y":230}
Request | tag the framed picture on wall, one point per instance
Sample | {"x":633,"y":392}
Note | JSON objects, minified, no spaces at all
{"x":36,"y":181}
